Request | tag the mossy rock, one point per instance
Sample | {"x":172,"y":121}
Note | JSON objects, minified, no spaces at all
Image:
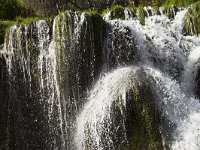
{"x":191,"y":24}
{"x":9,"y":9}
{"x":141,"y":14}
{"x":19,"y":21}
{"x":131,"y":125}
{"x":142,"y":117}
{"x":179,"y":3}
{"x":28,"y":117}
{"x":22,"y":21}
{"x":4,"y":26}
{"x":116,"y":12}
{"x":79,"y":42}
{"x":88,"y":35}
{"x":169,"y":11}
{"x":197,"y":79}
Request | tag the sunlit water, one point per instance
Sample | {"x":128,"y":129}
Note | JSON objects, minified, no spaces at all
{"x":158,"y":48}
{"x":171,"y":59}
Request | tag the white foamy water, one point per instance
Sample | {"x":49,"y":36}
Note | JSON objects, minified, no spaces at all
{"x":170,"y":58}
{"x":21,"y":55}
{"x":98,"y":108}
{"x":189,"y":137}
{"x":49,"y":86}
{"x":181,"y":109}
{"x":190,"y":71}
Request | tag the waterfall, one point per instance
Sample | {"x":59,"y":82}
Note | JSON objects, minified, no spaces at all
{"x":50,"y":67}
{"x":32,"y":77}
{"x":83,"y":81}
{"x":190,"y":70}
{"x":98,"y":109}
{"x":49,"y":87}
{"x":165,"y":54}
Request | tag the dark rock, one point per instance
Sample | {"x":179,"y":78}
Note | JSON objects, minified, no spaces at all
{"x":4,"y":105}
{"x":79,"y":42}
{"x":132,"y":121}
{"x":9,"y":9}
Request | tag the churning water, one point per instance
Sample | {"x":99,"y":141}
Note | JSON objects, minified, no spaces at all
{"x":170,"y":58}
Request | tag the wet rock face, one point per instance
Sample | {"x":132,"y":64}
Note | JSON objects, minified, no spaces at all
{"x":49,"y":75}
{"x":3,"y":102}
{"x":129,"y":121}
{"x":198,"y":83}
{"x":27,"y":127}
{"x":119,"y":46}
{"x":169,"y":11}
{"x":141,"y":122}
{"x":51,"y":68}
{"x":192,"y":20}
{"x":79,"y":42}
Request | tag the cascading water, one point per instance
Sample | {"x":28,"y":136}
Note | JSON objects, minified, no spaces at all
{"x":97,"y":110}
{"x":160,"y":44}
{"x":33,"y":80}
{"x":144,"y":98}
{"x":49,"y":87}
{"x":50,"y":68}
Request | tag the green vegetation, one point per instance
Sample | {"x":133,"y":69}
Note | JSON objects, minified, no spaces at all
{"x":192,"y":20}
{"x":21,"y":21}
{"x":9,"y":9}
{"x":105,"y":11}
{"x":179,"y":3}
{"x":141,"y":15}
{"x":149,"y":2}
{"x":145,"y":134}
{"x":117,"y":12}
{"x":91,"y":12}
{"x":4,"y":26}
{"x":17,"y":11}
{"x":170,"y":11}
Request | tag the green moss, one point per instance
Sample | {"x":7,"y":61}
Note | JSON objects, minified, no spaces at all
{"x":192,"y":20}
{"x":91,"y":12}
{"x":145,"y":134}
{"x":156,"y":9}
{"x":170,"y":11}
{"x":23,"y":21}
{"x":116,"y":12}
{"x":132,"y":8}
{"x":12,"y":8}
{"x":141,"y":15}
{"x":4,"y":26}
{"x":9,"y":11}
{"x":105,"y":11}
{"x":179,"y":3}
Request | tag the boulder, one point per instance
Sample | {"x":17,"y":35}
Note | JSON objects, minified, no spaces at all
{"x":125,"y":117}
